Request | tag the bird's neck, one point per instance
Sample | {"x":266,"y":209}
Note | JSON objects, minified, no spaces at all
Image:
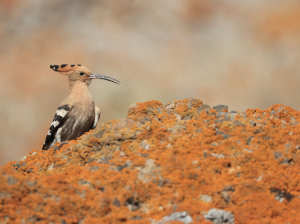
{"x":80,"y":90}
{"x":73,"y":82}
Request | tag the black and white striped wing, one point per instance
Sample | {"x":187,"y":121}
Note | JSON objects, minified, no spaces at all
{"x":60,"y":115}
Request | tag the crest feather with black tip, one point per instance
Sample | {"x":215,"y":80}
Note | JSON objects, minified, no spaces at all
{"x":68,"y":69}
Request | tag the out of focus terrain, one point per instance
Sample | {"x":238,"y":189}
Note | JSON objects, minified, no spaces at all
{"x":245,"y":54}
{"x":184,"y":163}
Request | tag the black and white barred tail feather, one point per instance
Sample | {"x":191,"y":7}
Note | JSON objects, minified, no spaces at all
{"x":60,"y":115}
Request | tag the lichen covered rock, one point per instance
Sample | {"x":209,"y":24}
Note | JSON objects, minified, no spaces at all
{"x":184,"y":162}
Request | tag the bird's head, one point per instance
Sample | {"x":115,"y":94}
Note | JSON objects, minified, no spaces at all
{"x":79,"y":73}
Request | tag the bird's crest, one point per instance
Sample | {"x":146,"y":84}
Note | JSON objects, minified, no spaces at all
{"x":66,"y":68}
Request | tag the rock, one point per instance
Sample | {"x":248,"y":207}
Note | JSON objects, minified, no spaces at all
{"x":177,"y":216}
{"x":163,"y":164}
{"x":220,"y":108}
{"x":144,"y":145}
{"x":219,"y":216}
{"x":206,"y":198}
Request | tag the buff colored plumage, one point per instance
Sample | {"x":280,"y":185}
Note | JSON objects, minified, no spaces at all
{"x":77,"y":114}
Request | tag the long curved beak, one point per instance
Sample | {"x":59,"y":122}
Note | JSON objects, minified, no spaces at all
{"x":96,"y":76}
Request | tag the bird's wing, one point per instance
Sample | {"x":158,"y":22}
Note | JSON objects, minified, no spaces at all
{"x":97,"y":117}
{"x":61,"y":114}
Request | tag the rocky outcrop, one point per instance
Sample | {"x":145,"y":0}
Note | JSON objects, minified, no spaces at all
{"x":184,"y":162}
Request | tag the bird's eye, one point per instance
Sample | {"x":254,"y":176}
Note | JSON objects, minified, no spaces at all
{"x":81,"y":73}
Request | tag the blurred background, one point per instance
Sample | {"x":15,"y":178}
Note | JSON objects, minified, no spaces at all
{"x":245,"y":54}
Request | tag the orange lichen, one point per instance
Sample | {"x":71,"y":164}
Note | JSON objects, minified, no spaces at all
{"x":184,"y":157}
{"x":138,"y":109}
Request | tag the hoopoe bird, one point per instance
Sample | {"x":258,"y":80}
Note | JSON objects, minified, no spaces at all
{"x":77,"y":114}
